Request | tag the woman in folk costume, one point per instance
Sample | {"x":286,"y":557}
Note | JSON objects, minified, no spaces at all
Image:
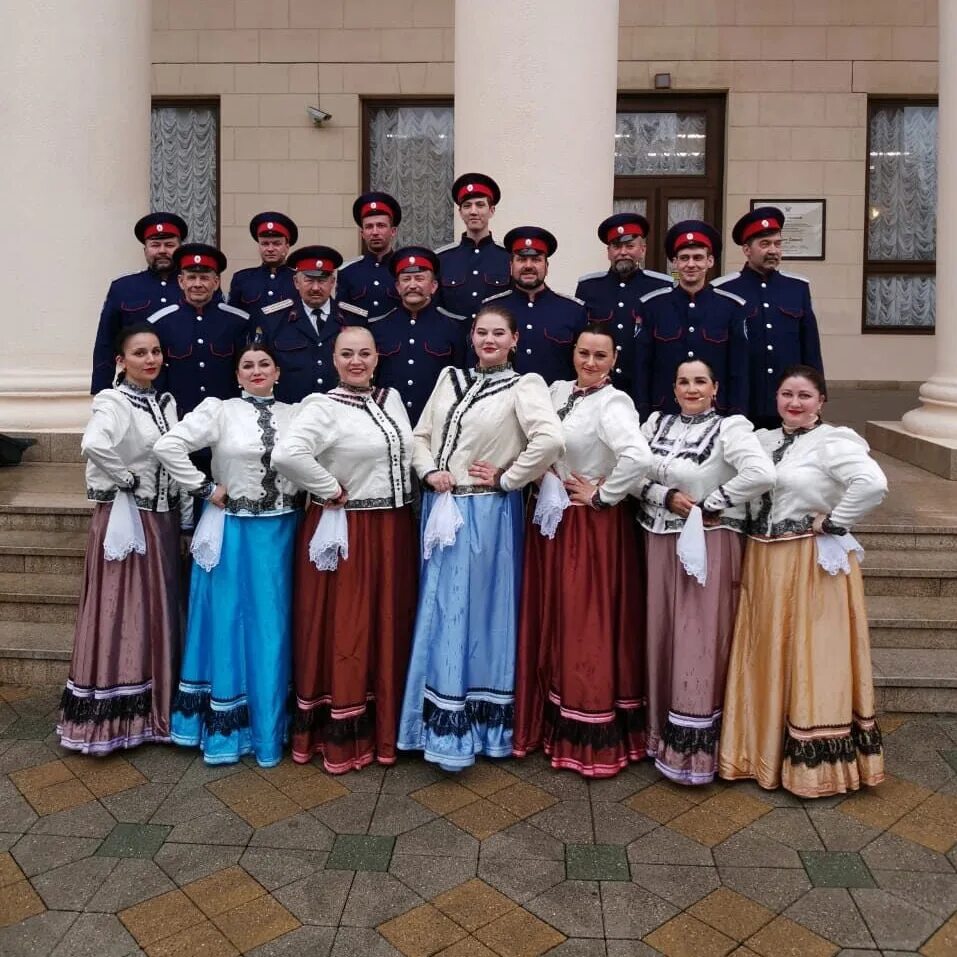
{"x":705,"y":468}
{"x":800,"y":699}
{"x":580,"y":675}
{"x":234,"y":683}
{"x":483,"y":435}
{"x":355,"y":584}
{"x":127,"y":638}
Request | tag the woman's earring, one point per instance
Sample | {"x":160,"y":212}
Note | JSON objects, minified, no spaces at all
{"x":117,"y":375}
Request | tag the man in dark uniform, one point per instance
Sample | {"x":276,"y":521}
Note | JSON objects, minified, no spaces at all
{"x":271,"y":281}
{"x":134,"y":297}
{"x":691,"y":320}
{"x":782,"y":329}
{"x":476,"y":267}
{"x":547,"y":321}
{"x":366,"y":282}
{"x":611,"y":297}
{"x":302,"y":330}
{"x":417,"y":339}
{"x":200,"y":334}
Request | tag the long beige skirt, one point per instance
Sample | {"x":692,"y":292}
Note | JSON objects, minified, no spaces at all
{"x":799,"y":704}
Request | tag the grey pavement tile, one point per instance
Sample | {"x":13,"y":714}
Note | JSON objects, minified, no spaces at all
{"x":665,"y":846}
{"x":565,"y":785}
{"x":362,"y":942}
{"x":775,"y":888}
{"x":24,"y":754}
{"x":918,"y":737}
{"x":831,"y":913}
{"x":431,"y":876}
{"x":522,"y":841}
{"x":87,"y":820}
{"x":438,"y":837}
{"x":396,"y":813}
{"x":132,"y":881}
{"x":837,"y":869}
{"x":184,"y":804}
{"x":777,"y":797}
{"x":893,"y":923}
{"x":631,"y":912}
{"x":28,"y":728}
{"x":184,"y":863}
{"x":789,"y":826}
{"x":162,"y":764}
{"x":748,"y":848}
{"x":368,"y":779}
{"x":840,"y":832}
{"x":950,"y":756}
{"x":934,"y":892}
{"x":220,"y":827}
{"x":525,"y":767}
{"x":569,"y":821}
{"x":37,"y":936}
{"x":376,"y":898}
{"x":199,"y":773}
{"x":318,"y":898}
{"x":596,"y":862}
{"x":301,"y":831}
{"x":579,"y":947}
{"x":617,"y":824}
{"x":409,"y":774}
{"x":276,"y":867}
{"x":856,"y":952}
{"x":360,"y":852}
{"x":138,"y":805}
{"x":38,"y":853}
{"x":572,"y":907}
{"x":7,"y":840}
{"x":16,"y":815}
{"x":630,"y":948}
{"x":134,"y":840}
{"x":521,"y":880}
{"x":892,"y":853}
{"x":932,"y":773}
{"x":618,"y":788}
{"x":95,"y":935}
{"x":71,"y":886}
{"x":678,"y":884}
{"x":349,"y":814}
{"x":303,"y":941}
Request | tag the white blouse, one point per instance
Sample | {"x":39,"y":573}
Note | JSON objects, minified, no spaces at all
{"x":356,"y":439}
{"x":826,"y":470}
{"x":495,"y":415}
{"x":603,"y":438}
{"x":241,"y":433}
{"x":715,"y":460}
{"x":119,"y":447}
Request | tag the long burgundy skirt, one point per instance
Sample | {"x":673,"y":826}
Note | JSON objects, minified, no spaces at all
{"x":579,"y":677}
{"x":352,"y":629}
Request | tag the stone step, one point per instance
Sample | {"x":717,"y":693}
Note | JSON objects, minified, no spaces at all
{"x":912,"y":679}
{"x":35,"y":653}
{"x":36,"y":551}
{"x":880,"y":537}
{"x":907,"y":621}
{"x":38,"y":598}
{"x":917,"y":572}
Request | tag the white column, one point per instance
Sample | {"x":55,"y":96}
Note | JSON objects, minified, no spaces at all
{"x":76,"y":113}
{"x":937,"y":417}
{"x":535,"y":100}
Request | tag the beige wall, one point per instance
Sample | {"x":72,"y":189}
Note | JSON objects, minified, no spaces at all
{"x":798,"y":75}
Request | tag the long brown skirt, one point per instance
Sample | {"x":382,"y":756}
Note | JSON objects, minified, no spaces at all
{"x":579,"y":688}
{"x":127,"y":642}
{"x":352,"y":629}
{"x":689,"y":639}
{"x":799,"y":710}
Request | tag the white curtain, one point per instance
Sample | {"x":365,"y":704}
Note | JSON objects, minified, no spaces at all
{"x":670,"y":144}
{"x":411,"y":157}
{"x":901,"y":301}
{"x":183,"y":142}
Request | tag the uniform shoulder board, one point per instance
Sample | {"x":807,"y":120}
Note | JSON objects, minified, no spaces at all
{"x":235,"y":310}
{"x":659,"y":275}
{"x":451,"y":315}
{"x":655,"y":292}
{"x":593,"y":275}
{"x":794,"y":275}
{"x":727,"y":277}
{"x":497,"y":295}
{"x":445,"y":248}
{"x":348,"y":307}
{"x":165,"y":311}
{"x":581,"y":302}
{"x":276,"y":307}
{"x":383,"y":316}
{"x":350,"y":262}
{"x":731,"y":295}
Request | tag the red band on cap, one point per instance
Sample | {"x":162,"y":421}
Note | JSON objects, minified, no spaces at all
{"x":272,"y":227}
{"x":377,"y":208}
{"x":620,"y":232}
{"x":419,"y":261}
{"x":160,"y":229}
{"x":759,"y":226}
{"x":315,"y":265}
{"x":199,"y":259}
{"x":692,"y":239}
{"x":538,"y":245}
{"x":471,"y":190}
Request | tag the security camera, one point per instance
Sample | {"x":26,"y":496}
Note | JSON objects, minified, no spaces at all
{"x":318,"y":116}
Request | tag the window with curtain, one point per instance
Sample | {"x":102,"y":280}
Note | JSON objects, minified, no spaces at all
{"x":184,"y":164}
{"x":408,"y":150}
{"x":900,"y":255}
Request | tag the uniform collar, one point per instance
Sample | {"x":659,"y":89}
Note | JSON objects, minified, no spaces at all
{"x":384,"y":261}
{"x":484,"y":241}
{"x":541,"y":294}
{"x":692,"y":297}
{"x":749,"y":270}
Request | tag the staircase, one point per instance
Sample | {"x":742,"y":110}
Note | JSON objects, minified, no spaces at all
{"x":910,"y":577}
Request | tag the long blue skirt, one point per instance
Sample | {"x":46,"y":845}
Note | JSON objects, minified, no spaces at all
{"x":234,"y":687}
{"x":460,"y":693}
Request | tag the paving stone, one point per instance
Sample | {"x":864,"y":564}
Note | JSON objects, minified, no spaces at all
{"x":71,"y":886}
{"x":376,"y":898}
{"x":777,"y":798}
{"x":665,"y":846}
{"x":361,"y":942}
{"x":631,"y":912}
{"x":438,"y":837}
{"x":565,"y":785}
{"x":944,"y":941}
{"x":318,"y":898}
{"x":791,"y":827}
{"x":255,"y":923}
{"x":618,"y":824}
{"x":734,"y":915}
{"x":88,"y":820}
{"x":224,"y":890}
{"x":522,"y":799}
{"x":840,"y":832}
{"x":302,"y":831}
{"x":831,"y":913}
{"x":482,"y":818}
{"x":37,"y":936}
{"x":137,"y":805}
{"x":134,"y":840}
{"x":37,"y":853}
{"x":129,"y":883}
{"x":355,"y":852}
{"x":18,"y":902}
{"x":630,"y":948}
{"x":221,"y":827}
{"x":572,"y":907}
{"x":199,"y":774}
{"x":205,"y":938}
{"x":348,"y":815}
{"x":314,"y":941}
{"x":369,"y":779}
{"x":410,"y":774}
{"x":678,"y":884}
{"x":747,"y":848}
{"x":836,"y":869}
{"x":24,"y":754}
{"x":686,"y":936}
{"x":893,"y":853}
{"x":524,"y":842}
{"x":521,"y":880}
{"x":579,"y":947}
{"x":661,"y":802}
{"x":473,"y":904}
{"x":933,"y":891}
{"x":785,"y":938}
{"x":161,"y":764}
{"x":422,"y":931}
{"x":487,"y":777}
{"x":396,"y":814}
{"x":619,"y":787}
{"x":430,"y":876}
{"x":185,"y":804}
{"x":95,"y":935}
{"x":276,"y":867}
{"x":950,"y":756}
{"x":569,"y":821}
{"x":184,"y":863}
{"x":519,"y":934}
{"x":444,"y":797}
{"x":774,"y":887}
{"x":596,"y":862}
{"x":16,"y":815}
{"x":893,"y":923}
{"x":468,"y":947}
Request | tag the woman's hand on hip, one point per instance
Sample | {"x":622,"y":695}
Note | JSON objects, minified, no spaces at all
{"x":580,"y":490}
{"x":485,"y":473}
{"x":440,"y":481}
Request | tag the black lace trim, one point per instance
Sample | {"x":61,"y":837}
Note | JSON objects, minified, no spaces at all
{"x":80,"y":709}
{"x":215,"y":721}
{"x":697,"y":449}
{"x":319,"y":722}
{"x":585,"y":734}
{"x":841,"y":747}
{"x":576,"y":395}
{"x":146,"y":503}
{"x":443,"y":722}
{"x":684,"y":740}
{"x":270,"y":481}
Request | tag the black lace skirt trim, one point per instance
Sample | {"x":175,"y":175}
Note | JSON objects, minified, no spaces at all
{"x":320,"y":723}
{"x":586,"y":734}
{"x":841,"y":747}
{"x":79,"y":709}
{"x":443,"y":722}
{"x":215,"y":721}
{"x":684,"y":740}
